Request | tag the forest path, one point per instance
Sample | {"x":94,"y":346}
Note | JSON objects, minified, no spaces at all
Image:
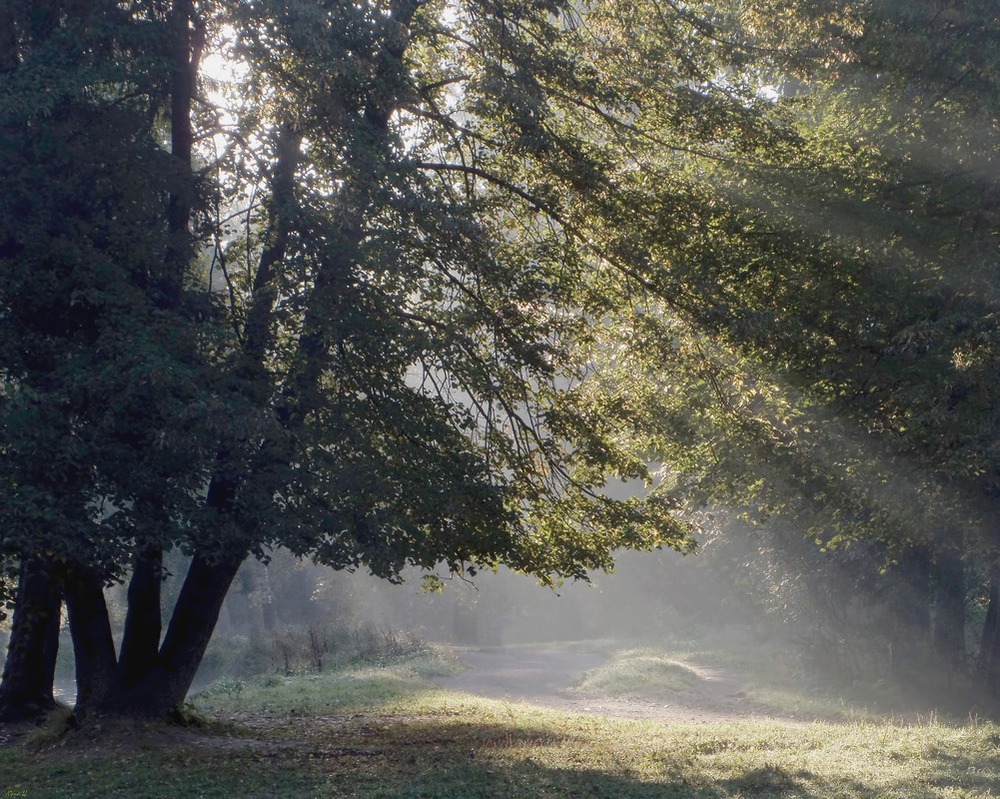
{"x":546,"y":677}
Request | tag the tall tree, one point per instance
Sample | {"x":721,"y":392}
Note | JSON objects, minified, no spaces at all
{"x":845,"y":286}
{"x":373,"y":368}
{"x":97,"y":379}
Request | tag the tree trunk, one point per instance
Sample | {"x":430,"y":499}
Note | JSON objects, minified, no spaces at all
{"x":912,"y":600}
{"x":29,"y":671}
{"x":187,"y":36}
{"x":909,"y":605}
{"x":161,"y":690}
{"x":93,"y":644}
{"x":143,"y":623}
{"x":143,"y":684}
{"x":267,"y":603}
{"x":949,"y":601}
{"x":989,"y":649}
{"x":193,"y":621}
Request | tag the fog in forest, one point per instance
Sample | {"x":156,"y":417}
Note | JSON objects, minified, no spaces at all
{"x":849,"y":618}
{"x":646,"y":595}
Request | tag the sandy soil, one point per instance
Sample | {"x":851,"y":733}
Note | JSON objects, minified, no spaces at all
{"x":546,"y":677}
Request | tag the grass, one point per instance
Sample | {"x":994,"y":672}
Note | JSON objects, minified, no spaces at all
{"x":385,"y":732}
{"x":645,"y":673}
{"x":767,"y":678}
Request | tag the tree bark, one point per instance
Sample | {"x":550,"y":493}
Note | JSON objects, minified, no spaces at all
{"x":147,"y":686}
{"x":29,"y":671}
{"x":143,"y":622}
{"x":93,"y":644}
{"x":161,"y":691}
{"x":187,"y":35}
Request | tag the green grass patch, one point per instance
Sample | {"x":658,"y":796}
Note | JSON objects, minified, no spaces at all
{"x":349,"y":689}
{"x":645,"y":673}
{"x":762,"y":673}
{"x":391,"y":735}
{"x":798,"y":702}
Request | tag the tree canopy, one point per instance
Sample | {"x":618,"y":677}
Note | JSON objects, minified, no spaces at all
{"x":400,"y":283}
{"x":335,"y":312}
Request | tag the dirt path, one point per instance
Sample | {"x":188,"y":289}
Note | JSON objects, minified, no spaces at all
{"x":546,"y":676}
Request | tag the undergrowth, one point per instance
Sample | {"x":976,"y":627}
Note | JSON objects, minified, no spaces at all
{"x":231,"y":661}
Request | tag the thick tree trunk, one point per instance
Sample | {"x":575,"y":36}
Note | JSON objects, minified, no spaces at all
{"x":161,"y":690}
{"x":144,"y":684}
{"x":29,"y":672}
{"x":143,"y":623}
{"x":93,"y":644}
{"x":193,"y":621}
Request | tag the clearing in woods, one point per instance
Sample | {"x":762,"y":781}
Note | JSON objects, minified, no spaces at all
{"x":551,"y":678}
{"x":518,"y":721}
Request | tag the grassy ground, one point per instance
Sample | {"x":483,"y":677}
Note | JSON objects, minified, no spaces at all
{"x":640,"y":673}
{"x":770,"y":678}
{"x":385,"y":732}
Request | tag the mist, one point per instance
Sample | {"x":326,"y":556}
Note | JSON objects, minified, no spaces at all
{"x":646,"y":596}
{"x":859,"y":623}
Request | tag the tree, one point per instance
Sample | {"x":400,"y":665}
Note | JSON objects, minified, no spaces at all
{"x":845,"y":290}
{"x":372,"y":367}
{"x":909,"y":111}
{"x":93,"y":366}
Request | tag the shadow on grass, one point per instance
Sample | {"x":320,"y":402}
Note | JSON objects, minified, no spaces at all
{"x":387,"y":757}
{"x":528,"y":780}
{"x":402,"y":740}
{"x":452,"y":758}
{"x":486,"y":781}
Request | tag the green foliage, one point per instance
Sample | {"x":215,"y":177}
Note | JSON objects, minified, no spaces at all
{"x":374,"y":369}
{"x":421,"y":280}
{"x":105,"y":398}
